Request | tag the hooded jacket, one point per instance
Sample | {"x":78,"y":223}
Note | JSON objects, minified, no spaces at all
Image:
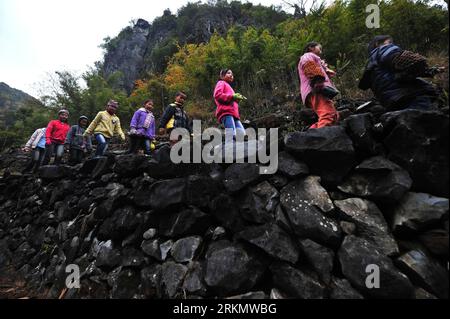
{"x":56,"y":132}
{"x":75,"y":138}
{"x":36,"y":139}
{"x":223,"y":97}
{"x":138,"y":123}
{"x":175,"y":113}
{"x":386,"y":80}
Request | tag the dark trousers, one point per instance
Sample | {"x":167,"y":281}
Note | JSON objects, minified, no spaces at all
{"x":76,"y":156}
{"x":53,"y":149}
{"x":139,"y":142}
{"x":36,"y":159}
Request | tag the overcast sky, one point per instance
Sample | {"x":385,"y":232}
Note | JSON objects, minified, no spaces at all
{"x":41,"y":36}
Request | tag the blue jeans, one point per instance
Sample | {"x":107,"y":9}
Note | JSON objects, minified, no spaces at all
{"x":102,"y":144}
{"x":234,"y":124}
{"x":422,"y":102}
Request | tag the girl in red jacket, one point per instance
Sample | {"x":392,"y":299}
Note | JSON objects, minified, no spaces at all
{"x":55,"y":136}
{"x":226,"y":100}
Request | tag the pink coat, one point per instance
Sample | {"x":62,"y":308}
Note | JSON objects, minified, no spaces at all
{"x":305,"y":85}
{"x":223,"y":97}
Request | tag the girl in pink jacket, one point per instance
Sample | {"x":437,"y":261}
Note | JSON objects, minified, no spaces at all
{"x":226,"y":100}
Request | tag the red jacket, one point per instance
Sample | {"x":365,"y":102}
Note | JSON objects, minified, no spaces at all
{"x":223,"y":97}
{"x":56,"y":132}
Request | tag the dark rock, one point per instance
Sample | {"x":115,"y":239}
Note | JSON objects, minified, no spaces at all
{"x":426,"y":272}
{"x":172,"y":276}
{"x":423,"y":294}
{"x":277,"y":294}
{"x":187,"y":222}
{"x":108,"y":257}
{"x":296,"y":283}
{"x":418,"y":211}
{"x":231,"y":269}
{"x":151,"y":281}
{"x":328,"y":152}
{"x":132,"y":257}
{"x":225,"y":210}
{"x":436,"y":241}
{"x":237,"y":176}
{"x":418,"y":141}
{"x":126,"y":285}
{"x":167,"y":194}
{"x":370,"y":223}
{"x":360,"y":129}
{"x":156,"y":248}
{"x":290,"y":167}
{"x":378,"y":179}
{"x":319,"y":257}
{"x":300,"y":200}
{"x":150,"y":233}
{"x":53,"y":172}
{"x":184,"y":250}
{"x":348,"y":228}
{"x":356,"y":254}
{"x":201,"y":190}
{"x":278,"y":181}
{"x":130,"y":165}
{"x":273,"y":240}
{"x":343,"y":290}
{"x":250,"y":295}
{"x":193,"y":282}
{"x":123,"y":221}
{"x":258,"y":203}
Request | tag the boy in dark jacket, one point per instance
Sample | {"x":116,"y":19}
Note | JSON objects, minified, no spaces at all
{"x":55,"y":136}
{"x":174,"y":116}
{"x":394,"y":75}
{"x":78,"y":145}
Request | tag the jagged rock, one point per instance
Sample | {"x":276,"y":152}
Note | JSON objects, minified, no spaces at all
{"x":343,"y":290}
{"x":359,"y":128}
{"x":356,"y":255}
{"x":218,"y":233}
{"x":149,"y":234}
{"x":201,"y":190}
{"x":132,"y":257}
{"x":250,"y":295}
{"x":184,"y":250}
{"x":370,"y":223}
{"x":428,"y":273}
{"x":328,"y":152}
{"x":273,"y":240}
{"x":290,"y":167}
{"x":167,"y":194}
{"x":126,"y":284}
{"x":237,"y":176}
{"x":277,"y":294}
{"x":231,"y":269}
{"x":193,"y":282}
{"x":187,"y":222}
{"x":300,"y":200}
{"x":278,"y":181}
{"x":319,"y":257}
{"x":378,"y":179}
{"x":172,"y":276}
{"x":108,"y":256}
{"x":281,"y":220}
{"x":348,"y":228}
{"x":258,"y":203}
{"x":120,"y":224}
{"x":152,"y":248}
{"x":225,"y":209}
{"x":130,"y":165}
{"x":418,"y":141}
{"x":151,"y":281}
{"x":54,"y":172}
{"x":436,"y":241}
{"x":296,"y":283}
{"x":418,"y":211}
{"x":423,"y":294}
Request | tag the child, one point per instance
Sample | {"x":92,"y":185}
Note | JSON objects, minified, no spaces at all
{"x":174,"y":116}
{"x":142,"y":128}
{"x":226,"y":100}
{"x":36,"y":144}
{"x":104,"y":126}
{"x":78,"y":145}
{"x":316,"y":88}
{"x":55,"y":136}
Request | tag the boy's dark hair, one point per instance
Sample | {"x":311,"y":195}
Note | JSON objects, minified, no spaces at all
{"x":377,"y":41}
{"x":223,"y":72}
{"x":146,"y":101}
{"x":180,"y":93}
{"x":309,"y":46}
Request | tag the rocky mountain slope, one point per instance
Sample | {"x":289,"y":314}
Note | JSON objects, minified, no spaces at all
{"x":145,"y":47}
{"x":372,"y":192}
{"x":10,"y":101}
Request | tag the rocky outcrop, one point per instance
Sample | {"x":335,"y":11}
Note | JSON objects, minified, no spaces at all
{"x":143,"y":227}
